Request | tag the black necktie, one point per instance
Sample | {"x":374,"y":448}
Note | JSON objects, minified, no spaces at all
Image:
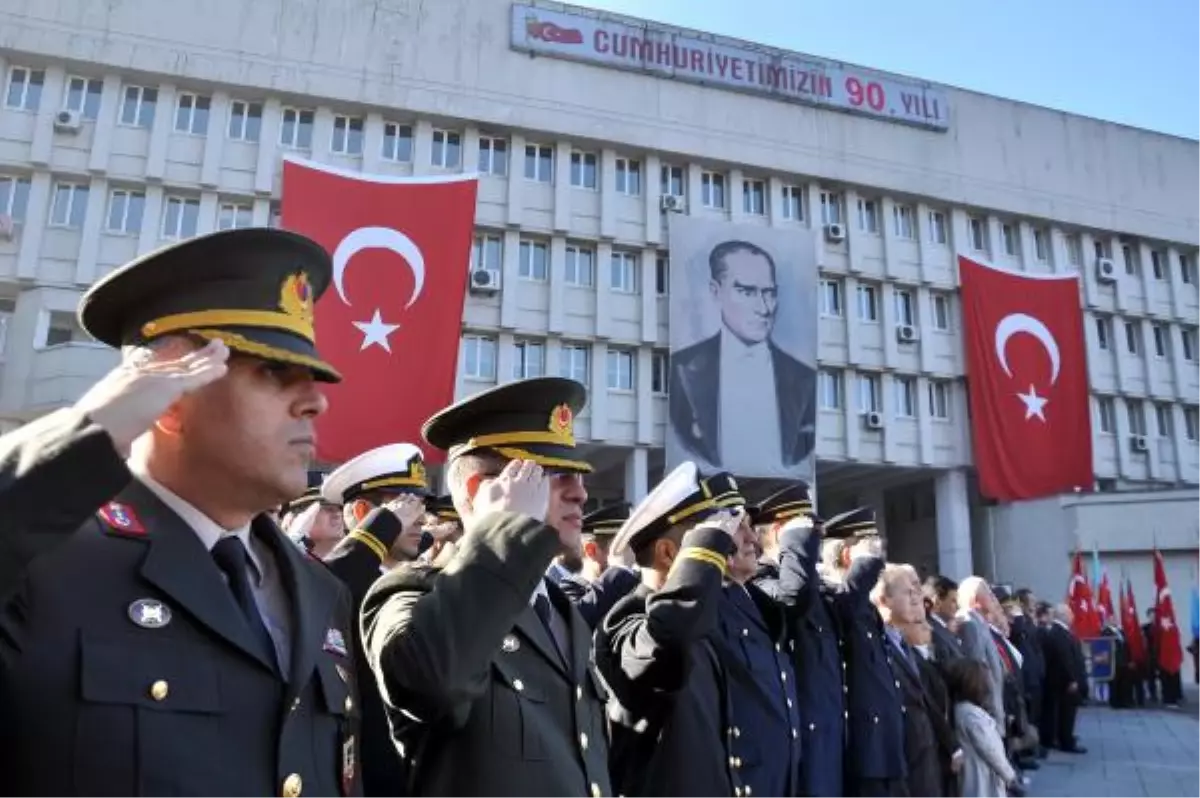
{"x":541,"y":605}
{"x":234,"y":561}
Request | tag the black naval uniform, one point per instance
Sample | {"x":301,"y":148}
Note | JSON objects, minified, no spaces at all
{"x":127,"y":664}
{"x":595,"y":599}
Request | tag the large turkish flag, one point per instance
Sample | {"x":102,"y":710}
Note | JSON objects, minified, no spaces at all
{"x":1166,"y":631}
{"x":1027,"y":382}
{"x":391,"y":319}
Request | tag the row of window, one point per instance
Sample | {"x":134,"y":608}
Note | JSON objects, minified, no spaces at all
{"x":868,"y":297}
{"x":1164,"y":424}
{"x":1160,"y":335}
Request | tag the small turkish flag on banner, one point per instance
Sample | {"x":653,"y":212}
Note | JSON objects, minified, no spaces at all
{"x":1085,"y":622}
{"x":1104,"y":603}
{"x":1130,"y":625}
{"x":391,"y":319}
{"x":1166,"y":631}
{"x":1027,"y":382}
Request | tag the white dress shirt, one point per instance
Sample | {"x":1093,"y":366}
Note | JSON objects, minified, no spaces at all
{"x":748,"y":414}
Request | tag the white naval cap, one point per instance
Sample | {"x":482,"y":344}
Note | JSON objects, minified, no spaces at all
{"x":395,"y":467}
{"x":682,"y":495}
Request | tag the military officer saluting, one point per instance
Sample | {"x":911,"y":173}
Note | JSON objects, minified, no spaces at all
{"x":159,"y":634}
{"x":443,"y":529}
{"x":389,"y":480}
{"x":315,"y":531}
{"x":600,"y":584}
{"x":484,"y":664}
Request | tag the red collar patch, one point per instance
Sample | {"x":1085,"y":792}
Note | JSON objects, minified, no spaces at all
{"x":121,"y":519}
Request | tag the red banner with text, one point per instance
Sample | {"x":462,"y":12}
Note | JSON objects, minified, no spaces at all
{"x":392,"y":317}
{"x":1027,"y":382}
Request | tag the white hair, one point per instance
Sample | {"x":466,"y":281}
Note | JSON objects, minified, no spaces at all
{"x":892,"y":574}
{"x":970,"y":589}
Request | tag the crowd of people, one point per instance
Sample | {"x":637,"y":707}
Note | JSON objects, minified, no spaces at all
{"x":159,"y":634}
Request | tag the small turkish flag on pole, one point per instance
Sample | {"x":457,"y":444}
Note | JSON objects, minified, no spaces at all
{"x":1166,"y":631}
{"x":1104,"y":602}
{"x":1085,"y":623}
{"x":1027,"y":382}
{"x":1130,"y":625}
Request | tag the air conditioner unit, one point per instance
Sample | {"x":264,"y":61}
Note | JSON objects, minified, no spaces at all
{"x":482,"y":282}
{"x":1106,"y":270}
{"x":67,"y":121}
{"x":906,"y":333}
{"x":8,"y":228}
{"x":1139,"y":443}
{"x":873,"y":419}
{"x":835,"y":233}
{"x":671,"y":203}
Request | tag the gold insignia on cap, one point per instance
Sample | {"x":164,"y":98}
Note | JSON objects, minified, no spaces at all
{"x":418,"y":470}
{"x":296,"y":297}
{"x":562,"y":424}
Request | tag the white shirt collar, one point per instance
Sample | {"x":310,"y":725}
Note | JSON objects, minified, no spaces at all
{"x":734,"y":347}
{"x":208,"y":530}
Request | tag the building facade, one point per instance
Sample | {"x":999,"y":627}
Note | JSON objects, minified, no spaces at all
{"x":116,"y":137}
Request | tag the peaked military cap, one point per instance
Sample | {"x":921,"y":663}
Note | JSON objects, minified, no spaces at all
{"x":442,"y":507}
{"x":606,"y":520}
{"x":683,"y":495}
{"x":784,"y":505}
{"x":394,"y":467}
{"x":524,"y":420}
{"x":253,"y":288}
{"x":313,"y":494}
{"x":856,"y":523}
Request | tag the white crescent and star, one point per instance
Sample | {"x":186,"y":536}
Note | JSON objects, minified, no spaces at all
{"x":1015,"y":323}
{"x":376,"y":331}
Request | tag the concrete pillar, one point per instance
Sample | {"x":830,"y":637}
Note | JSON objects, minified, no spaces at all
{"x":953,"y":524}
{"x":637,"y":474}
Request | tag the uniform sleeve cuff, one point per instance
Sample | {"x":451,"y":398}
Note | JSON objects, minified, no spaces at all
{"x":378,"y":531}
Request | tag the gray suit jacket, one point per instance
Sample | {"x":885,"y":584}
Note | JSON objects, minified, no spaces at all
{"x":976,"y":639}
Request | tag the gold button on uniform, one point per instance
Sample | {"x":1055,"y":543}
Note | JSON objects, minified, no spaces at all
{"x":596,"y":790}
{"x":295,"y":705}
{"x":349,"y":704}
{"x":794,"y":734}
{"x":518,"y":685}
{"x":812,"y":727}
{"x":778,"y":647}
{"x":746,"y":791}
{"x":783,"y":675}
{"x":578,"y":693}
{"x":292,"y":786}
{"x":159,"y":690}
{"x":737,"y":732}
{"x":789,"y":703}
{"x":745,"y":633}
{"x":583,"y":740}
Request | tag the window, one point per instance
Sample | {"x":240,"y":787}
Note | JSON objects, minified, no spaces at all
{"x":1074,"y":250}
{"x":397,"y":142}
{"x":793,"y":203}
{"x":905,"y":306}
{"x":137,"y":106}
{"x":906,"y":397}
{"x":1187,"y":270}
{"x":1160,"y":340}
{"x":672,"y":181}
{"x":831,"y":298}
{"x":1104,"y":415}
{"x":869,"y":393}
{"x":478,"y":357}
{"x":70,"y":205}
{"x":1129,"y":254}
{"x":829,"y":389}
{"x":1162,"y":419}
{"x":7,"y":308}
{"x":939,"y":399}
{"x":297,"y":128}
{"x":62,"y":328}
{"x":903,"y":222}
{"x":14,"y":197}
{"x":347,"y":135}
{"x":1103,"y":327}
{"x":1156,"y":264}
{"x":1012,"y":239}
{"x":620,"y":369}
{"x":1187,"y":343}
{"x":584,"y":168}
{"x":831,"y":208}
{"x":1041,"y":245}
{"x":1191,"y":423}
{"x":125,"y":211}
{"x":623,"y":271}
{"x":580,"y":265}
{"x":24,"y":88}
{"x":191,"y":114}
{"x":447,"y":149}
{"x":529,"y":360}
{"x":574,"y":363}
{"x":534,"y":260}
{"x":940,"y":304}
{"x":662,"y":274}
{"x":1137,"y":417}
{"x":712,"y":190}
{"x":1103,"y":248}
{"x":539,"y":163}
{"x":180,"y":217}
{"x":977,"y":233}
{"x":83,"y":96}
{"x":245,"y":121}
{"x":937,"y":227}
{"x":660,"y":364}
{"x":868,"y":215}
{"x":232,"y":216}
{"x":493,"y":156}
{"x":629,"y":177}
{"x":1131,"y":337}
{"x":754,"y":197}
{"x":868,"y":303}
{"x":486,"y":255}
{"x":275,"y":216}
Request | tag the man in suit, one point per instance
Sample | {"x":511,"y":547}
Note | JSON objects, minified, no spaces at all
{"x":1028,"y":641}
{"x":159,"y":635}
{"x":724,"y":389}
{"x":941,"y":607}
{"x":484,"y":664}
{"x":976,"y":605}
{"x":1066,"y":683}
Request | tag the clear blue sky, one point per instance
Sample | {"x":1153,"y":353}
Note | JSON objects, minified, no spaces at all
{"x":1131,"y":61}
